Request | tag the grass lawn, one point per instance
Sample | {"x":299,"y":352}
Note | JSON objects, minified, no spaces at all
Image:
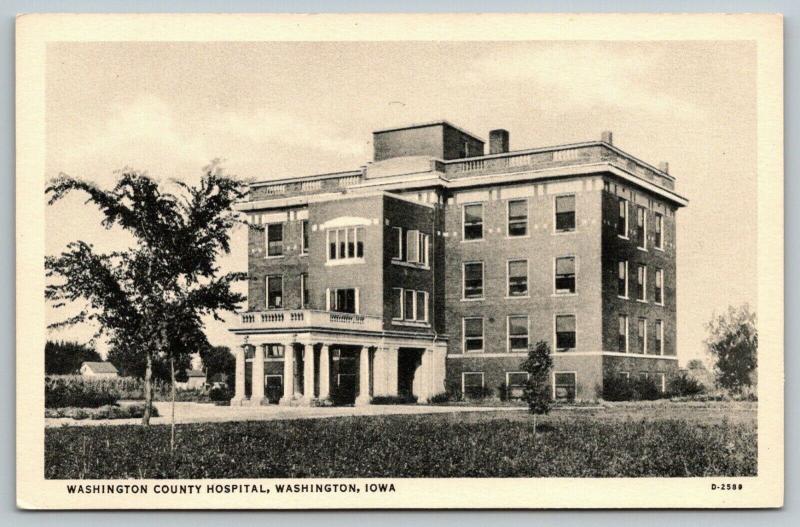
{"x":646,"y":439}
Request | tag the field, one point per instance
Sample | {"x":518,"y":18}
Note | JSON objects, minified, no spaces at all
{"x":626,"y":440}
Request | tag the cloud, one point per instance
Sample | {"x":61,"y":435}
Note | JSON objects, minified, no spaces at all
{"x":575,"y":77}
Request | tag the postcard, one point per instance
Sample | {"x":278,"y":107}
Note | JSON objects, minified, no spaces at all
{"x":399,"y":261}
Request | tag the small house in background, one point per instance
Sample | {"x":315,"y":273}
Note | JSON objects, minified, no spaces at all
{"x":194,"y":379}
{"x":99,"y":369}
{"x":219,"y":380}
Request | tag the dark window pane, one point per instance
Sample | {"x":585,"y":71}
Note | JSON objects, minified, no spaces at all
{"x":564,"y":386}
{"x":565,"y":275}
{"x":397,"y":304}
{"x":518,"y":325}
{"x":275,"y":239}
{"x":517,"y":218}
{"x":622,"y":285}
{"x":473,"y":222}
{"x":622,"y":218}
{"x":274,"y":292}
{"x":305,"y":236}
{"x":473,"y":280}
{"x":408,"y":305}
{"x":420,"y":306}
{"x":518,"y":278}
{"x":473,"y":327}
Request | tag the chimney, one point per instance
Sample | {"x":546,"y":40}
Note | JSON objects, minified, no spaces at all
{"x":607,"y":137}
{"x":664,"y":167}
{"x":498,"y":141}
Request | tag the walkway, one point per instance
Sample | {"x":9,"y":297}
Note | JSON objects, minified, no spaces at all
{"x":209,"y":413}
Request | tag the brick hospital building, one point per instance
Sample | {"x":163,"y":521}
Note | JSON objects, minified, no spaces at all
{"x":434,"y":267}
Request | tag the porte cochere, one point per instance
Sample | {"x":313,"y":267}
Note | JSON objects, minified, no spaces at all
{"x":309,"y":357}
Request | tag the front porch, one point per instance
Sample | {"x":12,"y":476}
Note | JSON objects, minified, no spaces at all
{"x":285,"y":361}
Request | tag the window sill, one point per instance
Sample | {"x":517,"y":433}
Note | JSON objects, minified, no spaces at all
{"x":411,"y":323}
{"x":623,"y":297}
{"x":472,"y":241}
{"x":274,"y":257}
{"x":518,"y":296}
{"x":621,"y":237}
{"x":520,"y":237}
{"x":303,"y":254}
{"x":659,"y":249}
{"x":564,"y":350}
{"x":473,"y":299}
{"x":641,"y":301}
{"x":643,"y":249}
{"x":564,"y":294}
{"x":411,"y":265}
{"x":346,"y":261}
{"x":659,"y":304}
{"x":558,"y":233}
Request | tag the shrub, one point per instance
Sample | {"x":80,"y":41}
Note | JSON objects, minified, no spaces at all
{"x":219,"y":394}
{"x":683,"y":385}
{"x":483,"y":392}
{"x":64,"y":391}
{"x":128,"y":411}
{"x":440,"y":398}
{"x":394,"y":399}
{"x":618,"y":388}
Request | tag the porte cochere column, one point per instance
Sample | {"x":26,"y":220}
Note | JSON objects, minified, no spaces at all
{"x":288,"y":374}
{"x":308,"y":372}
{"x":363,"y":398}
{"x":257,"y":382}
{"x":324,"y":372}
{"x":238,"y":394}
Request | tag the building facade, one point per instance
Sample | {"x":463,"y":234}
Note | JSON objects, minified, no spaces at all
{"x":436,"y":266}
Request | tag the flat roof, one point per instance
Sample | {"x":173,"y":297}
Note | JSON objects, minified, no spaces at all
{"x":441,"y":122}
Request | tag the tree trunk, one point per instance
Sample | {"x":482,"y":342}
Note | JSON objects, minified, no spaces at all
{"x":172,"y":419}
{"x":534,"y":428}
{"x":148,"y":390}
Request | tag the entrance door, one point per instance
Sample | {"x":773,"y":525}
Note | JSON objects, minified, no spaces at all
{"x":345,"y":389}
{"x":274,"y":390}
{"x":408,"y":360}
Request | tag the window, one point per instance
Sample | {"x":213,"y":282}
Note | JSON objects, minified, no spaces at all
{"x":622,"y":281}
{"x":410,"y":305}
{"x":565,"y":275}
{"x":642,"y":335}
{"x":473,"y":334}
{"x":421,"y":306}
{"x":417,"y":247}
{"x":473,"y":280}
{"x":641,"y":227}
{"x":343,"y":300}
{"x":659,"y":337}
{"x":565,"y":213}
{"x":275,"y":292}
{"x":274,"y":239}
{"x":304,"y":290}
{"x":624,"y":375}
{"x":659,"y":241}
{"x":517,"y":333}
{"x":518,"y":218}
{"x":472,"y":384}
{"x":518,"y":278}
{"x":622,"y":339}
{"x":397,"y":307}
{"x":397,"y":243}
{"x":659,"y":291}
{"x":274,"y":350}
{"x":473,"y":221}
{"x":564,"y":386}
{"x":641,"y":282}
{"x":565,"y":332}
{"x":515,"y":384}
{"x":622,"y":218}
{"x":304,"y":246}
{"x":346,"y":244}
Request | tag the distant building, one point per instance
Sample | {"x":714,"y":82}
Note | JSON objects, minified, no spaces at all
{"x":99,"y":369}
{"x":194,"y":379}
{"x":435,"y":266}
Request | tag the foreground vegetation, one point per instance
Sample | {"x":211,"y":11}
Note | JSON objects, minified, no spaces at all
{"x":623,"y":441}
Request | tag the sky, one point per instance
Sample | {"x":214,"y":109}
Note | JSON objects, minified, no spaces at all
{"x":281,"y":109}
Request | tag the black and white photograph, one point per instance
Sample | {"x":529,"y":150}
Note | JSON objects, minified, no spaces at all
{"x":325,"y":261}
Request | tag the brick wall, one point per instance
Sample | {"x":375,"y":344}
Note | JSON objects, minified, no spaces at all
{"x":616,"y":249}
